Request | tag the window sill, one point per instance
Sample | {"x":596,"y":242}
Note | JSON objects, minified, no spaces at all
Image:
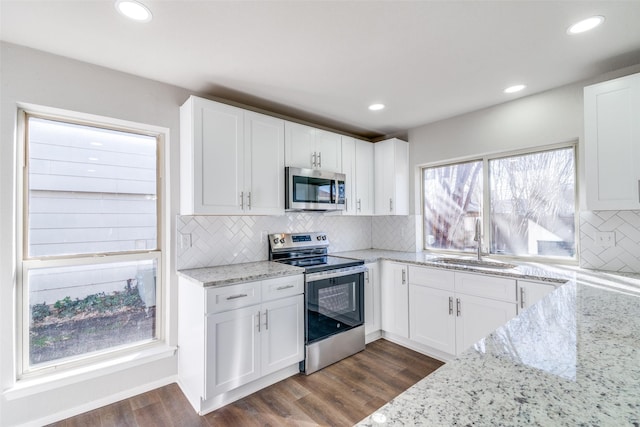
{"x":30,"y":386}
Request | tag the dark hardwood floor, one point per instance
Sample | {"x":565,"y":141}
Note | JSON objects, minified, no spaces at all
{"x":339,"y":395}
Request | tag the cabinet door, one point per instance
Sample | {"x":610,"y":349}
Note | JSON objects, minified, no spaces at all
{"x":282,"y":333}
{"x":299,"y":145}
{"x":364,"y":177}
{"x":218,"y":157}
{"x":612,"y":148}
{"x":328,"y":150}
{"x":349,"y":169}
{"x":478,"y":317}
{"x":232,"y":350}
{"x":395,"y":299}
{"x":372,"y":318}
{"x":432,"y":318}
{"x":531,"y":292}
{"x":401,"y":177}
{"x":264,"y":164}
{"x":383,"y":179}
{"x":391,"y":177}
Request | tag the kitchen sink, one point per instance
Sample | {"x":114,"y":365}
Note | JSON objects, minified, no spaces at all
{"x":471,"y":262}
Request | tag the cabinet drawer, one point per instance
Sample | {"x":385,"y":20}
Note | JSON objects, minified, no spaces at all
{"x":282,"y":287}
{"x":431,"y":277}
{"x":498,"y":288}
{"x":234,"y":296}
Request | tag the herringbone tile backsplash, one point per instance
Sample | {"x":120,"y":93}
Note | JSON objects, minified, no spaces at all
{"x":625,"y":255}
{"x":220,"y":240}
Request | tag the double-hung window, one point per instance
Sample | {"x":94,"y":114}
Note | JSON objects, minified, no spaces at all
{"x":525,"y":203}
{"x":91,"y":241}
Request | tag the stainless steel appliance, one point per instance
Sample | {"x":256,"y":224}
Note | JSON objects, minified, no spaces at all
{"x":334,"y":297}
{"x":311,"y":189}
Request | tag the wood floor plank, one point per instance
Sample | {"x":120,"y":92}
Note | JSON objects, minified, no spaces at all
{"x":338,"y":395}
{"x":120,"y":414}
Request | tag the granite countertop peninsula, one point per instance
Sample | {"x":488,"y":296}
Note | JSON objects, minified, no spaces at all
{"x":231,"y":274}
{"x":530,"y":271}
{"x":572,"y":359}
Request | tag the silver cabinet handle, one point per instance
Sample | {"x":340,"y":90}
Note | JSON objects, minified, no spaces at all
{"x":242,"y":200}
{"x":313,"y":159}
{"x":521,"y":297}
{"x":266,"y":319}
{"x":458,"y":310}
{"x":249,"y":201}
{"x":366,"y":276}
{"x":237,"y":296}
{"x":319,"y":159}
{"x":346,"y":204}
{"x":279,"y":288}
{"x":404,"y":276}
{"x":359,"y":205}
{"x":450,"y":306}
{"x":390,"y":205}
{"x":259,"y":321}
{"x":639,"y":190}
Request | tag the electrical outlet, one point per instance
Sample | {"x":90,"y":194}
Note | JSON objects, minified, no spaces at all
{"x":185,"y":241}
{"x":605,"y":239}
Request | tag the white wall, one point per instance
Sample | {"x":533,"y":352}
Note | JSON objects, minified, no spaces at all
{"x":35,"y":77}
{"x":551,"y":117}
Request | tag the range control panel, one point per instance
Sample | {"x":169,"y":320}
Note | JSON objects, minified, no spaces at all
{"x":288,"y":241}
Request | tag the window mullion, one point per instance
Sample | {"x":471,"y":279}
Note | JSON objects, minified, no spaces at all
{"x":487,"y":235}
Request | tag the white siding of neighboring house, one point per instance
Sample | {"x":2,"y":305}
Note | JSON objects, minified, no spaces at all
{"x":90,"y":191}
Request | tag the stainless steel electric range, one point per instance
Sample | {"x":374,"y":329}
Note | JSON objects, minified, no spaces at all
{"x":334,"y":297}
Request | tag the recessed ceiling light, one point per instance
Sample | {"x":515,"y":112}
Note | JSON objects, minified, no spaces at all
{"x":514,"y":89}
{"x":585,"y":25}
{"x":96,"y":144}
{"x":134,"y":10}
{"x":376,"y":107}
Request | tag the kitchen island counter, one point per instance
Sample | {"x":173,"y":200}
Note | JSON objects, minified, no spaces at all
{"x":571,"y":359}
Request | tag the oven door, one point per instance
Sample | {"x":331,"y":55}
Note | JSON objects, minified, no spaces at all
{"x":334,"y":303}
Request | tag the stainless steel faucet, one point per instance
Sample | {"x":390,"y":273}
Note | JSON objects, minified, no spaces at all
{"x":478,"y":238}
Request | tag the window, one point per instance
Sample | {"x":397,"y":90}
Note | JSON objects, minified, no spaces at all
{"x":529,"y":207}
{"x":91,"y":257}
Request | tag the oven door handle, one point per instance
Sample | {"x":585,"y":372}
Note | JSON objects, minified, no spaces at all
{"x":321,"y":275}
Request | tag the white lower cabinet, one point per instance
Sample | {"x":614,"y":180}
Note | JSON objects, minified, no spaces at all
{"x":227,"y":369}
{"x":432,"y":321}
{"x":478,"y":317}
{"x":530,"y":293}
{"x":395,"y":295}
{"x":236,"y":339}
{"x":449,"y":311}
{"x":372,"y":315}
{"x":282,"y":333}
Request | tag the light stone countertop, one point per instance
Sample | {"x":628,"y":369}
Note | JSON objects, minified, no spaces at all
{"x":572,"y":359}
{"x":231,"y":274}
{"x":529,"y":271}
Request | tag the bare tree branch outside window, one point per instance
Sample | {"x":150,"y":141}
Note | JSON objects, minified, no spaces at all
{"x":531,"y":210}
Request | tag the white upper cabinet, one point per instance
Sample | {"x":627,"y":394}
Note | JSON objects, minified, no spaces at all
{"x":231,"y":160}
{"x":357,"y":165}
{"x":311,"y":148}
{"x":612,"y":144}
{"x":264,"y":164}
{"x":391,"y":177}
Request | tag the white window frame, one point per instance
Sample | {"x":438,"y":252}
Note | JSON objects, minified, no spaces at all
{"x":486,"y":202}
{"x":24,"y":263}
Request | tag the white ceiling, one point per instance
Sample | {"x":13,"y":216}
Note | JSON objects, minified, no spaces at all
{"x":327,"y":61}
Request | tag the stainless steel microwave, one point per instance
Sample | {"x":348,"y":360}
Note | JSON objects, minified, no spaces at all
{"x":313,"y":190}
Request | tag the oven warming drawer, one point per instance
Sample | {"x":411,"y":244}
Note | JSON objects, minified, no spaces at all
{"x":334,"y":348}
